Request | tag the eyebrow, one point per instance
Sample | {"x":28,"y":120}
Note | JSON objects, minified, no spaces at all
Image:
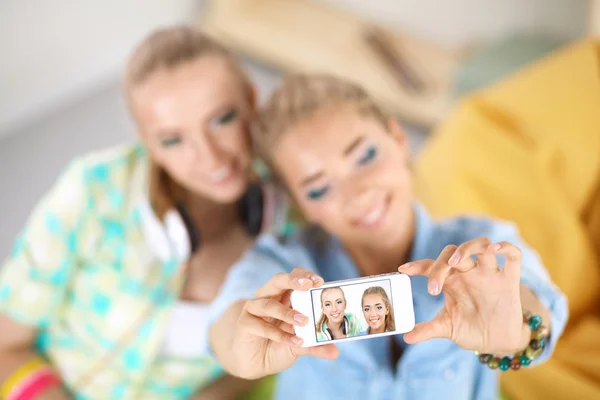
{"x":353,"y":145}
{"x":311,"y":178}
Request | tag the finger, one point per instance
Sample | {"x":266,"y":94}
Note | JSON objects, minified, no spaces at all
{"x":427,"y":330}
{"x":258,"y":327}
{"x":327,"y":352}
{"x":298,"y":279}
{"x":270,"y":308}
{"x":439,"y":271}
{"x":478,"y":247}
{"x":514,"y":256}
{"x":287,"y":327}
{"x":419,"y":267}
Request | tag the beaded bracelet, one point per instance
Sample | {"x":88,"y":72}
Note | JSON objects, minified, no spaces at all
{"x":539,"y":336}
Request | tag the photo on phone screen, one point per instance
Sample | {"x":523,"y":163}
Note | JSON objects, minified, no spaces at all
{"x":355,"y":309}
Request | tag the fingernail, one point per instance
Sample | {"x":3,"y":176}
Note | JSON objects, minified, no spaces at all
{"x":433,"y":287}
{"x":299,"y":318}
{"x":302,"y":281}
{"x":314,"y":278}
{"x":296,"y":340}
{"x":496,"y":246}
{"x":454,"y":259}
{"x":404,"y":266}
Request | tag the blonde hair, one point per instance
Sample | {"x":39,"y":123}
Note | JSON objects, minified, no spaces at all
{"x":298,"y":99}
{"x":323,"y":316}
{"x":390,"y":324}
{"x":168,"y":48}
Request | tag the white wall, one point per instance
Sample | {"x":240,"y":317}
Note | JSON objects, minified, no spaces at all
{"x":54,"y":51}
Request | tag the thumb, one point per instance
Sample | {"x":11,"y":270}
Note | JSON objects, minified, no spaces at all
{"x":423,"y":331}
{"x":328,"y":351}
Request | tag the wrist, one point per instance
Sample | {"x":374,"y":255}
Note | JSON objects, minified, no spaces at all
{"x":525,"y":337}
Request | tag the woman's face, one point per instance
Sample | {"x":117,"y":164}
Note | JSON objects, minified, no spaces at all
{"x":193,"y":118}
{"x":334,"y":306}
{"x":375,"y":311}
{"x":349,"y":174}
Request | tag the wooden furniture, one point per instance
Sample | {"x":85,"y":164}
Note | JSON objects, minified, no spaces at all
{"x":303,"y":35}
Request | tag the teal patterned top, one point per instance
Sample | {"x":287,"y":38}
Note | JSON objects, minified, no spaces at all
{"x":96,"y":273}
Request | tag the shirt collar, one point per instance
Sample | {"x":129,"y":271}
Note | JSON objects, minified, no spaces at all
{"x":345,"y":268}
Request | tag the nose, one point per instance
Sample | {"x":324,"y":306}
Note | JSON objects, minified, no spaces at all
{"x":207,"y":153}
{"x":360,"y":200}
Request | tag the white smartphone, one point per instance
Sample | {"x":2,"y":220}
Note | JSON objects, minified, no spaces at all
{"x":355,"y":309}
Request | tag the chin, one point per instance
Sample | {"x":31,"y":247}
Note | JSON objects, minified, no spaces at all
{"x":226,"y":195}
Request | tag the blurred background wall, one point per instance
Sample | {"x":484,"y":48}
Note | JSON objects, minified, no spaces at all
{"x":61,"y":61}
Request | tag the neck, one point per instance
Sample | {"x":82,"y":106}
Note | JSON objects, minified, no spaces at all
{"x":381,"y":258}
{"x":334,"y":327}
{"x":210,"y":218}
{"x":381,"y":329}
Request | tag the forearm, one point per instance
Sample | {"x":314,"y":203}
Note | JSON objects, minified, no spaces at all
{"x":531,"y":303}
{"x":228,"y":387}
{"x":222,"y":334}
{"x":13,"y":359}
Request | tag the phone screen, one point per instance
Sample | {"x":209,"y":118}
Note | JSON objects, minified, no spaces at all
{"x":354,"y":309}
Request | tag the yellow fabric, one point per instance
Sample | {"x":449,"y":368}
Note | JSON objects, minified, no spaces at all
{"x":528,"y":150}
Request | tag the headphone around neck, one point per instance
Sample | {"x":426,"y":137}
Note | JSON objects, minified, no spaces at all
{"x":329,"y":333}
{"x":261,"y":208}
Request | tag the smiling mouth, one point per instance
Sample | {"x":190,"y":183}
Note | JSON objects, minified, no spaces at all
{"x":375,"y":215}
{"x":222,"y":175}
{"x":374,"y":319}
{"x":335,"y":315}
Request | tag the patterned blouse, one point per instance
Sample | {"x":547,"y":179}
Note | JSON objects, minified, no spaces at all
{"x":97,"y":274}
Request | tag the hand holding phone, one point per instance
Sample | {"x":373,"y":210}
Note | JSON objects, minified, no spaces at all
{"x":264,"y":342}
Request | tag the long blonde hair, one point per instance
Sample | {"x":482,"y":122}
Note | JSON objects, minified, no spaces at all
{"x":390,"y":324}
{"x":169,"y":48}
{"x":323,"y":316}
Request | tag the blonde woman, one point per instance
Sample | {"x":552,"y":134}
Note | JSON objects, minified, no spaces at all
{"x":106,"y":293}
{"x":378,"y":311}
{"x":335,"y":322}
{"x":346,"y":164}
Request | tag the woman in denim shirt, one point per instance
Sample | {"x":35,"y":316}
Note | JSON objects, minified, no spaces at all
{"x":346,"y":164}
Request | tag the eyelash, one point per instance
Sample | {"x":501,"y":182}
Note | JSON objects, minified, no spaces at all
{"x":226,"y":118}
{"x":369,"y":156}
{"x":171,"y":141}
{"x":366,"y":309}
{"x":317,"y":194}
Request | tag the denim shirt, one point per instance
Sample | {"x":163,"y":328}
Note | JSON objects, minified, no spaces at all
{"x":433,"y":369}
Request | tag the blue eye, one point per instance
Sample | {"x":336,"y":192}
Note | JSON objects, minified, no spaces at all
{"x":379,"y":308}
{"x":366,"y":309}
{"x":170,"y":141}
{"x":316,"y":194}
{"x":368,"y":156}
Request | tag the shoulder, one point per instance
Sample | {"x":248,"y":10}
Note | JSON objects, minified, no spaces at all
{"x":112,"y":164}
{"x":113,"y":177}
{"x":462,"y":228}
{"x":289,"y":251}
{"x":352,"y":318}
